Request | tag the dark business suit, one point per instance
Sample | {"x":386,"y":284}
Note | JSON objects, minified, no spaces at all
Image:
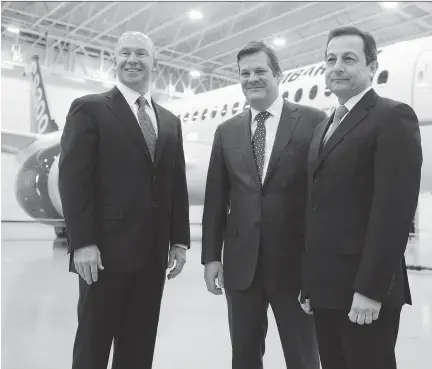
{"x":115,"y":197}
{"x":261,"y":227}
{"x":363,"y":189}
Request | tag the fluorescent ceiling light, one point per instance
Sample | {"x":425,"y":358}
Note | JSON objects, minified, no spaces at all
{"x":13,"y":29}
{"x":278,"y":41}
{"x":389,"y":4}
{"x":195,"y":73}
{"x":195,"y":14}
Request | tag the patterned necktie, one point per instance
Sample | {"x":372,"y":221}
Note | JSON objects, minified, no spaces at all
{"x":146,"y":126}
{"x":258,"y":141}
{"x":338,"y":115}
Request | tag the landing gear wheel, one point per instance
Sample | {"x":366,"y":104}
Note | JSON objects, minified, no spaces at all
{"x":60,"y":231}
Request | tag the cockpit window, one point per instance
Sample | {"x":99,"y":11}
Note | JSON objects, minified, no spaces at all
{"x":204,"y":114}
{"x":195,"y":116}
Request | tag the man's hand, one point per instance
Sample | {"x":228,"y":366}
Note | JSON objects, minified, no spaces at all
{"x":364,"y":309}
{"x":177,"y":254}
{"x":213,"y":270}
{"x":87,"y":262}
{"x":305,"y":305}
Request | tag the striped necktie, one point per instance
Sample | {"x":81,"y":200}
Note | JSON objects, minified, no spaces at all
{"x":146,"y":126}
{"x":338,"y":115}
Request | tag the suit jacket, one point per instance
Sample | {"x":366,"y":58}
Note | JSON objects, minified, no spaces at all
{"x":363,"y":189}
{"x":240,"y":214}
{"x":112,"y":193}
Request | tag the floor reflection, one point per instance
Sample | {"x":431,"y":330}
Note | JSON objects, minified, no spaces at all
{"x":39,"y":298}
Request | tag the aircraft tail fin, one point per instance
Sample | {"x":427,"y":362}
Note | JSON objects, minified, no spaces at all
{"x":41,"y":121}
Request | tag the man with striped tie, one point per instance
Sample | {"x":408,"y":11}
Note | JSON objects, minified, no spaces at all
{"x":254,"y":215}
{"x":123,"y":189}
{"x":364,"y":178}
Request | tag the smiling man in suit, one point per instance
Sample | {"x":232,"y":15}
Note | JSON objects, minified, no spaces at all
{"x":123,"y":188}
{"x":254,"y":212}
{"x":363,"y":182}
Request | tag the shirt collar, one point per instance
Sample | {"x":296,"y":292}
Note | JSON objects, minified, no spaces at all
{"x":274,"y":109}
{"x":355,"y":99}
{"x":131,"y":96}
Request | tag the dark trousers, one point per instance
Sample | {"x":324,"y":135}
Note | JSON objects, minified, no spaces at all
{"x":346,"y":345}
{"x":247,"y":316}
{"x":120,"y":306}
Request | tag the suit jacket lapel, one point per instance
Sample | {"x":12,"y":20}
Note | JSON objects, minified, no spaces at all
{"x":163,"y":127}
{"x":245,"y":145}
{"x":288,"y":121}
{"x":117,"y":103}
{"x":315,"y":145}
{"x":353,"y":118}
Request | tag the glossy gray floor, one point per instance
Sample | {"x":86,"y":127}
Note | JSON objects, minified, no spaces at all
{"x":39,"y":311}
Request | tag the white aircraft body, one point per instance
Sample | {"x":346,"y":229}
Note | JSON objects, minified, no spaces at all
{"x":404,"y":74}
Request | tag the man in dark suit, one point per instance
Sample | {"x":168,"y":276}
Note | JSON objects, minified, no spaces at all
{"x":123,"y":190}
{"x":254,"y":211}
{"x":363,"y":184}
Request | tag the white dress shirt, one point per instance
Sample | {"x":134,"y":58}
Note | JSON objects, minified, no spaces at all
{"x":271,"y":125}
{"x":131,"y":97}
{"x":354,"y":100}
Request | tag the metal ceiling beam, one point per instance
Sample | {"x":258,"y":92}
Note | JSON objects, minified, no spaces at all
{"x":418,"y":20}
{"x":41,"y":19}
{"x":378,"y":31}
{"x":92,"y":18}
{"x":129,"y":17}
{"x":299,"y":26}
{"x":212,"y":44}
{"x":173,"y":21}
{"x":212,"y":26}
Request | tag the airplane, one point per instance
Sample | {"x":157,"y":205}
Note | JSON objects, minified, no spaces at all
{"x":404,"y":74}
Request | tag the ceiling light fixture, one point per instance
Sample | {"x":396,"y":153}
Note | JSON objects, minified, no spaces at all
{"x":195,"y":14}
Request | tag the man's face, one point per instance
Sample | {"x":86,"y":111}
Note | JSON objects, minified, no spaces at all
{"x":347,"y":73}
{"x":259,"y":85}
{"x":134,"y":60}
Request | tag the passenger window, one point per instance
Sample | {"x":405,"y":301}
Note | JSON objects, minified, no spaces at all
{"x":246,"y":106}
{"x":186,"y":118}
{"x":285,"y":95}
{"x":195,"y":116}
{"x":204,"y":114}
{"x":327,"y":92}
{"x":298,"y":95}
{"x":382,"y":78}
{"x":313,"y":92}
{"x":235,"y":108}
{"x":224,"y":110}
{"x":213,"y":114}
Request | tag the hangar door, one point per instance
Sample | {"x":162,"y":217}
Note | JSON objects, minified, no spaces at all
{"x":423,"y":87}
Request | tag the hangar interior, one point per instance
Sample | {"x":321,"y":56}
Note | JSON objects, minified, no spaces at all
{"x":196,"y":45}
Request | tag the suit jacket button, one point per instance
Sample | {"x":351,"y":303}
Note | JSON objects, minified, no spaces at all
{"x":317,"y":179}
{"x":154,"y":204}
{"x":315,"y":208}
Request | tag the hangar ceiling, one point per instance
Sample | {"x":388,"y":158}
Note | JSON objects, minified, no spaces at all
{"x":208,"y":45}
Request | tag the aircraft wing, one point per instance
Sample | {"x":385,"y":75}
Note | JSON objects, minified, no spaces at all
{"x":13,"y":142}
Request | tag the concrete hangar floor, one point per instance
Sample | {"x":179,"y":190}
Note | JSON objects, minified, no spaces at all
{"x":39,"y":299}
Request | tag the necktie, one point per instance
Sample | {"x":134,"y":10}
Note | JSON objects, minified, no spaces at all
{"x":258,"y":141}
{"x":146,"y":126}
{"x":338,"y":115}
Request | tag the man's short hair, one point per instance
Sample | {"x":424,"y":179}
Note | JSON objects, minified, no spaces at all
{"x":254,"y":47}
{"x":369,"y":44}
